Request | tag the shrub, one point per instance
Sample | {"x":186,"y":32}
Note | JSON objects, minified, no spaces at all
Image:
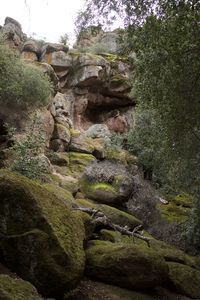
{"x":28,"y":158}
{"x":21,"y":85}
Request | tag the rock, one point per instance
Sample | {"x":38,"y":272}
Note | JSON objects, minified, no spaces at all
{"x":118,"y":123}
{"x":42,"y":239}
{"x":128,"y":266}
{"x":13,"y":32}
{"x":62,"y":133}
{"x":185,"y":279}
{"x":98,"y":131}
{"x":58,"y":145}
{"x":90,"y":290}
{"x":77,"y":164}
{"x":59,"y":60}
{"x":61,"y":108}
{"x":17,"y":289}
{"x":53,"y":47}
{"x":28,"y":55}
{"x":30,"y":46}
{"x":30,"y":50}
{"x":81,"y":144}
{"x":58,"y":158}
{"x":46,"y":124}
{"x":107,"y":182}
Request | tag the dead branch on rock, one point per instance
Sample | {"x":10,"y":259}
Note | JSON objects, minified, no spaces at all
{"x":100,"y":219}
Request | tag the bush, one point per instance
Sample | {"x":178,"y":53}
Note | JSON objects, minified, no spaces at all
{"x":21,"y":85}
{"x":28,"y":158}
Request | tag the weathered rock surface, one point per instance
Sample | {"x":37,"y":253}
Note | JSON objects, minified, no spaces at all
{"x":17,"y":289}
{"x":107,"y":182}
{"x":126,"y":266}
{"x":185,"y":279}
{"x":42,"y":240}
{"x":13,"y":33}
{"x":90,"y":290}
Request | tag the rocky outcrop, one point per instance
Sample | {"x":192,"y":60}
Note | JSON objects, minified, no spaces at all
{"x":13,"y":33}
{"x":41,"y":239}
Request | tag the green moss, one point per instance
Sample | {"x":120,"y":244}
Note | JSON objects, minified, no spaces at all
{"x":121,"y":155}
{"x":58,"y":158}
{"x":79,"y":161}
{"x":68,"y":183}
{"x":98,"y":191}
{"x":60,"y":193}
{"x":74,"y":132}
{"x":184,"y":200}
{"x":173,"y":212}
{"x":17,"y":289}
{"x":185,"y":279}
{"x":45,"y":233}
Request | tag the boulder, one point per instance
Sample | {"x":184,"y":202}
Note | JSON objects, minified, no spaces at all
{"x":90,"y":290}
{"x":62,"y":133}
{"x":17,"y":289}
{"x":12,"y":31}
{"x":98,"y":131}
{"x":185,"y":279}
{"x":61,"y":108}
{"x":107,"y":182}
{"x":30,"y":50}
{"x":128,"y":266}
{"x":42,"y":240}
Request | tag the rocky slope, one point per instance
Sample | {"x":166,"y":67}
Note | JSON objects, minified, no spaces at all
{"x":66,"y":253}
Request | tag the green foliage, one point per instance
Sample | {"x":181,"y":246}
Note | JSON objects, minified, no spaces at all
{"x":21,"y":85}
{"x":64,"y":39}
{"x":27,"y":153}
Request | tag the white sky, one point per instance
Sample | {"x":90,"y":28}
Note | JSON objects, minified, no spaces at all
{"x":46,"y":18}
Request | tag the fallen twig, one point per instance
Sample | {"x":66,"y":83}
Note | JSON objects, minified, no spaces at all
{"x":101,"y":219}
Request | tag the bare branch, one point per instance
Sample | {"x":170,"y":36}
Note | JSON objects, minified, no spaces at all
{"x":101,"y":219}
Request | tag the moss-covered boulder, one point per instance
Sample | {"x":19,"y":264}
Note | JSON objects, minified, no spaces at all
{"x":106,"y":182}
{"x":42,"y":239}
{"x":129,"y":266}
{"x":17,"y":289}
{"x":91,"y":290}
{"x":185,"y":279}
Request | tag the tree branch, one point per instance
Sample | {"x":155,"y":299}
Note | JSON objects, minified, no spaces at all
{"x":100,"y":219}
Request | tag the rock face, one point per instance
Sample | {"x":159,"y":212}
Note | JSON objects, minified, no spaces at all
{"x":43,"y":240}
{"x":107,"y":182}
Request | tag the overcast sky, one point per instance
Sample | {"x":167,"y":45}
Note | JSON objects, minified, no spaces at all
{"x":46,"y":18}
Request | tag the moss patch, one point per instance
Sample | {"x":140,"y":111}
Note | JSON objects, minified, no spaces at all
{"x":17,"y":289}
{"x":185,"y":279}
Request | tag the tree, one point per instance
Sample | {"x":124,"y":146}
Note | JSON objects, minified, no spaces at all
{"x":64,"y":39}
